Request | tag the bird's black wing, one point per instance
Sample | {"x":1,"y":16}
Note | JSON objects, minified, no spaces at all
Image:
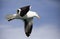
{"x":24,"y":10}
{"x":28,"y":27}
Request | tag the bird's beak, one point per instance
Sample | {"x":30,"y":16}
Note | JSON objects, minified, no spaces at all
{"x":38,"y":17}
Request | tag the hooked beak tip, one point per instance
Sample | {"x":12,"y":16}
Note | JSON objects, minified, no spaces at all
{"x":39,"y":17}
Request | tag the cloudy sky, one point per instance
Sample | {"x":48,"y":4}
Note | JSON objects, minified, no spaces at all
{"x":47,"y":27}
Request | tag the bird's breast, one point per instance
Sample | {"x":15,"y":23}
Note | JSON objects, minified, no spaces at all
{"x":30,"y":14}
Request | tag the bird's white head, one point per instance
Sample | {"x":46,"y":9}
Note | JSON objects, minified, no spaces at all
{"x":36,"y":15}
{"x":33,"y":14}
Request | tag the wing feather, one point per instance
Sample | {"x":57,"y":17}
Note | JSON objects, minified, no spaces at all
{"x":24,"y":10}
{"x":28,"y":27}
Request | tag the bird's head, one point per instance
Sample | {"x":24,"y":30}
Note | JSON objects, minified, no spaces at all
{"x":36,"y":15}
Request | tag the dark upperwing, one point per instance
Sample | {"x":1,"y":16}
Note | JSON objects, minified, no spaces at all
{"x":24,"y":10}
{"x":28,"y":27}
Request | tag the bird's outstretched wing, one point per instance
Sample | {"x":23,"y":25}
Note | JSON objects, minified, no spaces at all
{"x":28,"y":26}
{"x":24,"y":10}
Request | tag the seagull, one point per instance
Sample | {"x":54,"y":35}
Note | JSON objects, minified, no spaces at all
{"x":27,"y":16}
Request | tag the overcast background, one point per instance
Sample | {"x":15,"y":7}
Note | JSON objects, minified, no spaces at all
{"x":47,"y":27}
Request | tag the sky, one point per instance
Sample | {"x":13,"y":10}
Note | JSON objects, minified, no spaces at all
{"x":47,"y":27}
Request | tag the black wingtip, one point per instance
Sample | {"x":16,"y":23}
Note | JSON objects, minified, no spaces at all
{"x":27,"y":34}
{"x":9,"y":19}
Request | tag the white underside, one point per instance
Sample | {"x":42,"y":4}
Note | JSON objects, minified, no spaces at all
{"x":30,"y":14}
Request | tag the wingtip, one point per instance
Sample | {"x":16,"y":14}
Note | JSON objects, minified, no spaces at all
{"x":27,"y":34}
{"x":9,"y":20}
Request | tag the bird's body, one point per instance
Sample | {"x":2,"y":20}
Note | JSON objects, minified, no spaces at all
{"x":27,"y":16}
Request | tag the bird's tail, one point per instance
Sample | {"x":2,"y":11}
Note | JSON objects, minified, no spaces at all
{"x":9,"y":17}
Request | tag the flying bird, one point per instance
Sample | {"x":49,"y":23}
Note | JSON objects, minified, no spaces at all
{"x":26,"y":15}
